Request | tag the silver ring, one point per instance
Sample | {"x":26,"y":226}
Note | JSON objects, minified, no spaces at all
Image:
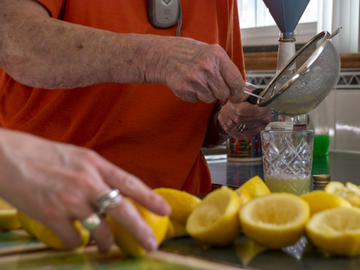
{"x":91,"y":222}
{"x":108,"y":200}
{"x":240,"y":128}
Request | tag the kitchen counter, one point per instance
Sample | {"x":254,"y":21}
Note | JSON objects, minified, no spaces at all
{"x":20,"y":251}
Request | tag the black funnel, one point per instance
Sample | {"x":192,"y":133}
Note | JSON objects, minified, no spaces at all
{"x":286,"y":13}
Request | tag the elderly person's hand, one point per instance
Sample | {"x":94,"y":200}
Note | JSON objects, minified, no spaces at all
{"x":243,"y":120}
{"x":194,"y":70}
{"x":58,"y":183}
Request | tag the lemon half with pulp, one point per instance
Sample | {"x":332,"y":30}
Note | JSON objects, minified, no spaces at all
{"x":214,"y":221}
{"x":336,"y":230}
{"x":349,"y":192}
{"x":276,"y":220}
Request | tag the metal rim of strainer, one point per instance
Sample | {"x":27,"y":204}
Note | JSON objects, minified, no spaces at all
{"x":305,"y":67}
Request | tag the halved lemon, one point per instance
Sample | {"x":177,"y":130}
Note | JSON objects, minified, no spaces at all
{"x":214,"y":221}
{"x":127,"y":243}
{"x":253,"y":188}
{"x":321,"y":200}
{"x":349,"y":192}
{"x":47,"y":236}
{"x":336,"y":230}
{"x":275,"y":220}
{"x":182,"y":203}
{"x":8,"y":216}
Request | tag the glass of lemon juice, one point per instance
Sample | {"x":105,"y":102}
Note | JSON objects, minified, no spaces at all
{"x":287,"y":159}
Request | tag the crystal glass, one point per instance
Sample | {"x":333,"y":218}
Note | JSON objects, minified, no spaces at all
{"x":287,"y":159}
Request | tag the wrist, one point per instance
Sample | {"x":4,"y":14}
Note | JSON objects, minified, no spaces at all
{"x":221,"y":132}
{"x":151,"y":64}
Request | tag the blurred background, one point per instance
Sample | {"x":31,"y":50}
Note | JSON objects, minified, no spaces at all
{"x":340,"y":111}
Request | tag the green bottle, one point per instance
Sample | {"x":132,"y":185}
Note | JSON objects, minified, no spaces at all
{"x":320,"y":165}
{"x":319,"y":122}
{"x":321,"y":145}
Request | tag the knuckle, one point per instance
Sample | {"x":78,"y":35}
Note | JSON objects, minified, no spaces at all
{"x":128,"y":182}
{"x":72,"y":201}
{"x":81,"y":178}
{"x":88,"y":156}
{"x":193,"y":77}
{"x":216,"y":50}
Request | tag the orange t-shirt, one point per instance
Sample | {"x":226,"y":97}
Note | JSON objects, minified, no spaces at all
{"x":143,"y":128}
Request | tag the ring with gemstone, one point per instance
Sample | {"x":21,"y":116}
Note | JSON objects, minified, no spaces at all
{"x":91,"y":222}
{"x":108,"y":200}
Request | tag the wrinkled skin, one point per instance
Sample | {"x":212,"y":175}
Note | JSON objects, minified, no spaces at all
{"x":193,"y":70}
{"x":254,"y":117}
{"x":197,"y":71}
{"x":57,"y":183}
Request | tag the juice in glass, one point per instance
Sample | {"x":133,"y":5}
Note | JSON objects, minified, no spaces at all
{"x":287,"y":160}
{"x":291,"y":185}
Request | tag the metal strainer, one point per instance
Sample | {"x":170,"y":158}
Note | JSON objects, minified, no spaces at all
{"x":305,"y":81}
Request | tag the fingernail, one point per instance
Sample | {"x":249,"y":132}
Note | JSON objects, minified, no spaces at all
{"x":151,"y":244}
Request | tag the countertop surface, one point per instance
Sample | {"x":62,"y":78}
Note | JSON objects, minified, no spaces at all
{"x":343,"y":167}
{"x":20,"y":251}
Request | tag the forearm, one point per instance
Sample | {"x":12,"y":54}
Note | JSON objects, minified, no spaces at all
{"x":43,"y":52}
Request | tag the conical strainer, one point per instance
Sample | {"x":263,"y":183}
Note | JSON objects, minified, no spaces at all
{"x":305,"y":80}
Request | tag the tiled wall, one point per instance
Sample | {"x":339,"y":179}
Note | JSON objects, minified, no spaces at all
{"x":341,"y":108}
